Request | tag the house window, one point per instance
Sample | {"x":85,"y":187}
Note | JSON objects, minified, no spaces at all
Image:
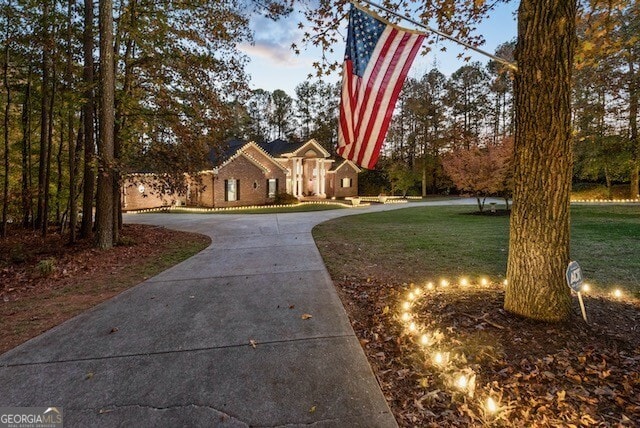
{"x":272,"y":187}
{"x":346,"y":182}
{"x":231,"y":190}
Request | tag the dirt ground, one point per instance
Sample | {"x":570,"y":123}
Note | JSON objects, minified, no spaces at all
{"x":536,"y":374}
{"x":45,"y":282}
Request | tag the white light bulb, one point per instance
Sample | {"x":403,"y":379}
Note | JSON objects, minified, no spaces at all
{"x":461,"y":382}
{"x":492,"y":406}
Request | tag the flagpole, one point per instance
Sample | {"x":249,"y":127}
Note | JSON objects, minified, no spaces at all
{"x":509,"y":64}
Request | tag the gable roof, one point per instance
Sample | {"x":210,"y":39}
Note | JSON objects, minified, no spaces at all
{"x":267,"y":155}
{"x":247,"y":156}
{"x":344,"y":162}
{"x":312,"y":143}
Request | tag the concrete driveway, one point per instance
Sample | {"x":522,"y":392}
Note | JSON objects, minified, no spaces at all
{"x":217,"y":340}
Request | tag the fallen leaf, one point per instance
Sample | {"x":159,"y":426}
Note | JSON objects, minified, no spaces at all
{"x":306,"y":316}
{"x":312,"y":409}
{"x":89,"y":375}
{"x":253,"y":343}
{"x":292,"y":306}
{"x":113,"y":330}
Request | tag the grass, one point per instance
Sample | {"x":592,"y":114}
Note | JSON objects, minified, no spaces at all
{"x":36,"y":312}
{"x":426,"y":243}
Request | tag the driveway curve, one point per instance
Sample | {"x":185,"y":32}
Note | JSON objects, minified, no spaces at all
{"x":221,"y":339}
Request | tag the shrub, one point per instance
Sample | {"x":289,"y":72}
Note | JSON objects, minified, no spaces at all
{"x":46,"y":267}
{"x":285,"y":199}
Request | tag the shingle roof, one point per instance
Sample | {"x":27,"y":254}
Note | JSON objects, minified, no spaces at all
{"x":277,"y":148}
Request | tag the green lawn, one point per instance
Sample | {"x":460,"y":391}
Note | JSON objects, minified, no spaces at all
{"x":427,"y":243}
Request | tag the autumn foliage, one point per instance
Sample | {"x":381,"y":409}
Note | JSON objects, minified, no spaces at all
{"x":482,"y":171}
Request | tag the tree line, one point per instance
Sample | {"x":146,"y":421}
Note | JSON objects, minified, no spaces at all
{"x":92,"y":91}
{"x":179,"y":89}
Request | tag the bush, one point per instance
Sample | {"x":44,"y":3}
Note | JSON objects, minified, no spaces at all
{"x":285,"y":199}
{"x":46,"y":267}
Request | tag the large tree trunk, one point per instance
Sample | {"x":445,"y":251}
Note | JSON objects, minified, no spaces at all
{"x":44,"y":118}
{"x":89,"y":176}
{"x":633,"y":128}
{"x":120,"y":124}
{"x":104,"y":208}
{"x":73,"y":207}
{"x":27,"y":203}
{"x":539,"y":232}
{"x":5,"y":186}
{"x":59,"y":182}
{"x":47,"y":180}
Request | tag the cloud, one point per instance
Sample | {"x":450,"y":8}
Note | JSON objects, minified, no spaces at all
{"x":273,"y":52}
{"x":273,"y":39}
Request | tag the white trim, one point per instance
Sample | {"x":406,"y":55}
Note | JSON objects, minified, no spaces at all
{"x":347,"y":162}
{"x":325,"y":154}
{"x":261,"y":150}
{"x":247,"y":156}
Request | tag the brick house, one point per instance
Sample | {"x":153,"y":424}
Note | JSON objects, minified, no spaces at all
{"x":250,"y":173}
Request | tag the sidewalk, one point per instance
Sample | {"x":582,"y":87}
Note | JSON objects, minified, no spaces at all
{"x":177,"y":349}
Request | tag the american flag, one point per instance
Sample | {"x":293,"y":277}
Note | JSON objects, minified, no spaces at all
{"x":376,"y":64}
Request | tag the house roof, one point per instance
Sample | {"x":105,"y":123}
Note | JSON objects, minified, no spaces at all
{"x":277,"y":148}
{"x":345,"y":162}
{"x":246,"y":156}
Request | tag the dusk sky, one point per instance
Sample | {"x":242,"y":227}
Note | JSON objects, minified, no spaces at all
{"x":275,"y":66}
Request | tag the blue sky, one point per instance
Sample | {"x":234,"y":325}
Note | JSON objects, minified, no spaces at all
{"x":273,"y":65}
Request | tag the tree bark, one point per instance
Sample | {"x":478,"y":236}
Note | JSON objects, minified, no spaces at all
{"x":539,"y":230}
{"x":104,"y":209}
{"x":27,"y":203}
{"x":44,"y":118}
{"x":633,"y":128}
{"x":89,"y":175}
{"x":73,"y":207}
{"x":47,"y":179}
{"x":5,"y":187}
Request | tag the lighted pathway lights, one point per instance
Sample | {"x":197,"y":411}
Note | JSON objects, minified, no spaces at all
{"x":452,"y":369}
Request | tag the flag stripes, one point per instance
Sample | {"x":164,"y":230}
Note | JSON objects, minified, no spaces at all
{"x":368,"y":102}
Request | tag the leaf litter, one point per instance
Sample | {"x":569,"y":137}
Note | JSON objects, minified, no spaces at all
{"x":538,"y":374}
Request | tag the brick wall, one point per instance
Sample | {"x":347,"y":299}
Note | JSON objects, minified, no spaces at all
{"x":134,"y":199}
{"x":343,"y":192}
{"x":201,"y":190}
{"x":253,"y":183}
